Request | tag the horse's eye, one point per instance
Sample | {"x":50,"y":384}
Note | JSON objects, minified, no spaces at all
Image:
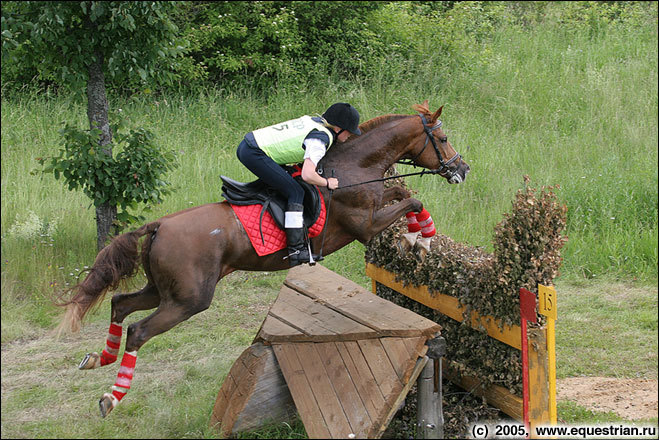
{"x":443,"y":139}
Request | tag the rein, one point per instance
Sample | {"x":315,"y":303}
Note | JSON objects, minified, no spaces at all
{"x":419,"y":173}
{"x":429,"y":136}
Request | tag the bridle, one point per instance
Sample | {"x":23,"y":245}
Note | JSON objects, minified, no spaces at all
{"x":443,"y":169}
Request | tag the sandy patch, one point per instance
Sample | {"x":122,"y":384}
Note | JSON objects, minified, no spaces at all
{"x":631,"y":399}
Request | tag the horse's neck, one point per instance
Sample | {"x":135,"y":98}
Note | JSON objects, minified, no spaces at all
{"x":383,"y":147}
{"x":372,"y":153}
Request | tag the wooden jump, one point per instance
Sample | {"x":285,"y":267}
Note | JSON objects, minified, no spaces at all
{"x":330,"y":351}
{"x":541,"y":405}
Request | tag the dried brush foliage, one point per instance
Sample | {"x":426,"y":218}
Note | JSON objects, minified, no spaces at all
{"x":527,"y":244}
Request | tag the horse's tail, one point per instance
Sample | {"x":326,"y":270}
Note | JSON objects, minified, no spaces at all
{"x":117,"y":261}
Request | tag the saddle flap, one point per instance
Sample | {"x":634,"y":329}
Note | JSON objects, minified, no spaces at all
{"x":244,"y":193}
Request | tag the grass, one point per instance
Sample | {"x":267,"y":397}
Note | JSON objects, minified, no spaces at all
{"x":599,"y":321}
{"x":564,"y":107}
{"x":179,"y":375}
{"x":571,"y":413}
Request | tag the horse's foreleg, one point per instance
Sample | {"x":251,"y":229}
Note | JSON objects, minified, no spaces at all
{"x":163,"y":319}
{"x":122,"y":306}
{"x":394,"y":193}
{"x":383,"y":218}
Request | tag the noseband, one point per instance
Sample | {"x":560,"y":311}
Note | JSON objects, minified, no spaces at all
{"x":443,"y":169}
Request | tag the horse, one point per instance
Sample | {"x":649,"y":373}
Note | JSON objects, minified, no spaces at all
{"x":185,"y":254}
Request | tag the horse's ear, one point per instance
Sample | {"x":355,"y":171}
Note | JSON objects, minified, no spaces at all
{"x":422,"y":108}
{"x":437,"y":114}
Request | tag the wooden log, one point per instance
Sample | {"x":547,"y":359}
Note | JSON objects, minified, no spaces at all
{"x":253,"y":394}
{"x":496,"y":395}
{"x":448,"y":305}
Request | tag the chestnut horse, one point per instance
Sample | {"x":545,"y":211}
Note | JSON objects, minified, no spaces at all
{"x":185,"y":254}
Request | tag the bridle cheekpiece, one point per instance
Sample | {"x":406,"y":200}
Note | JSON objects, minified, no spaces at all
{"x":443,"y":169}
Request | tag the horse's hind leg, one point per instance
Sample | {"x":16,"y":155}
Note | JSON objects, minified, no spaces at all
{"x":122,"y":306}
{"x":168,"y":314}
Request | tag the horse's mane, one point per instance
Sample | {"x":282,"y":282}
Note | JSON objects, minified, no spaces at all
{"x":380,"y":120}
{"x":377,"y":121}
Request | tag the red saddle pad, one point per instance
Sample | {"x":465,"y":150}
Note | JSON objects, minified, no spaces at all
{"x":273,"y":236}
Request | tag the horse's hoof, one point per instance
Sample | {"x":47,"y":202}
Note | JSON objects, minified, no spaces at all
{"x":422,"y":248}
{"x":406,"y":242}
{"x":107,"y":404}
{"x":91,"y":360}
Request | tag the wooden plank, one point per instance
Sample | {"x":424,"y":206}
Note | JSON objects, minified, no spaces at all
{"x":417,"y":346}
{"x":322,"y":389}
{"x":222,"y":402}
{"x":312,"y":318}
{"x":362,"y":377}
{"x":448,"y":305}
{"x":241,"y":394}
{"x":352,"y":300}
{"x":402,"y":357}
{"x":273,"y":330}
{"x":379,"y":363}
{"x":398,"y":355}
{"x":300,"y":389}
{"x":345,"y":389}
{"x":381,"y":426}
{"x":321,"y":283}
{"x":332,"y":320}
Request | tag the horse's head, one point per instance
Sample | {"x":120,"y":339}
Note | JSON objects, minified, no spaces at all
{"x":441,"y":158}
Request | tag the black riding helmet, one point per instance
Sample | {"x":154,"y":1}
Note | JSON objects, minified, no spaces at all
{"x":343,"y":115}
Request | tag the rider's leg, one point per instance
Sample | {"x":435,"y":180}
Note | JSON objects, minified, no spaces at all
{"x":274,"y":175}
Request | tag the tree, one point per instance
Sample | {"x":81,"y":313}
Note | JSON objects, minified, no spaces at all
{"x":74,"y":44}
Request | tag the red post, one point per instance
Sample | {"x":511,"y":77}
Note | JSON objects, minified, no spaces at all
{"x":527,"y":302}
{"x":525,"y":376}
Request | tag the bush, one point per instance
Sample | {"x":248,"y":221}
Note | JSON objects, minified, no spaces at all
{"x":527,"y":245}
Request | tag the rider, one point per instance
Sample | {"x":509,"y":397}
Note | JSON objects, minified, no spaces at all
{"x":303,"y":140}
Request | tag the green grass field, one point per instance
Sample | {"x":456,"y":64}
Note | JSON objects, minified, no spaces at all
{"x":567,"y":108}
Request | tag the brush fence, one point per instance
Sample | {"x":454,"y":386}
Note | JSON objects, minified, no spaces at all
{"x":474,"y":296}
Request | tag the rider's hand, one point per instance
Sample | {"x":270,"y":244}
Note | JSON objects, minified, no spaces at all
{"x":332,"y":183}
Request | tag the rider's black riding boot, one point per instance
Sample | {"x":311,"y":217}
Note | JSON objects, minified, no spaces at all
{"x":298,"y":249}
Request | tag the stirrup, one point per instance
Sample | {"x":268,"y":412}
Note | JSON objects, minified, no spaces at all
{"x":312,"y":262}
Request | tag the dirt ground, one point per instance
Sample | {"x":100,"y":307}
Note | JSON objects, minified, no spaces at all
{"x":631,"y":399}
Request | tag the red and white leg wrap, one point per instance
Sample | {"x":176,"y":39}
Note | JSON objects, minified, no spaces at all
{"x":125,"y":376}
{"x":412,"y":222}
{"x":426,"y":223}
{"x":112,"y":344}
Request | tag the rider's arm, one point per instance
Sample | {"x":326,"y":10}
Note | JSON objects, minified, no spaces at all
{"x":314,"y":151}
{"x":310,"y":175}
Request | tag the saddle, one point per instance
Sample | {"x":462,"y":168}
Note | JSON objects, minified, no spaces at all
{"x":260,"y":193}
